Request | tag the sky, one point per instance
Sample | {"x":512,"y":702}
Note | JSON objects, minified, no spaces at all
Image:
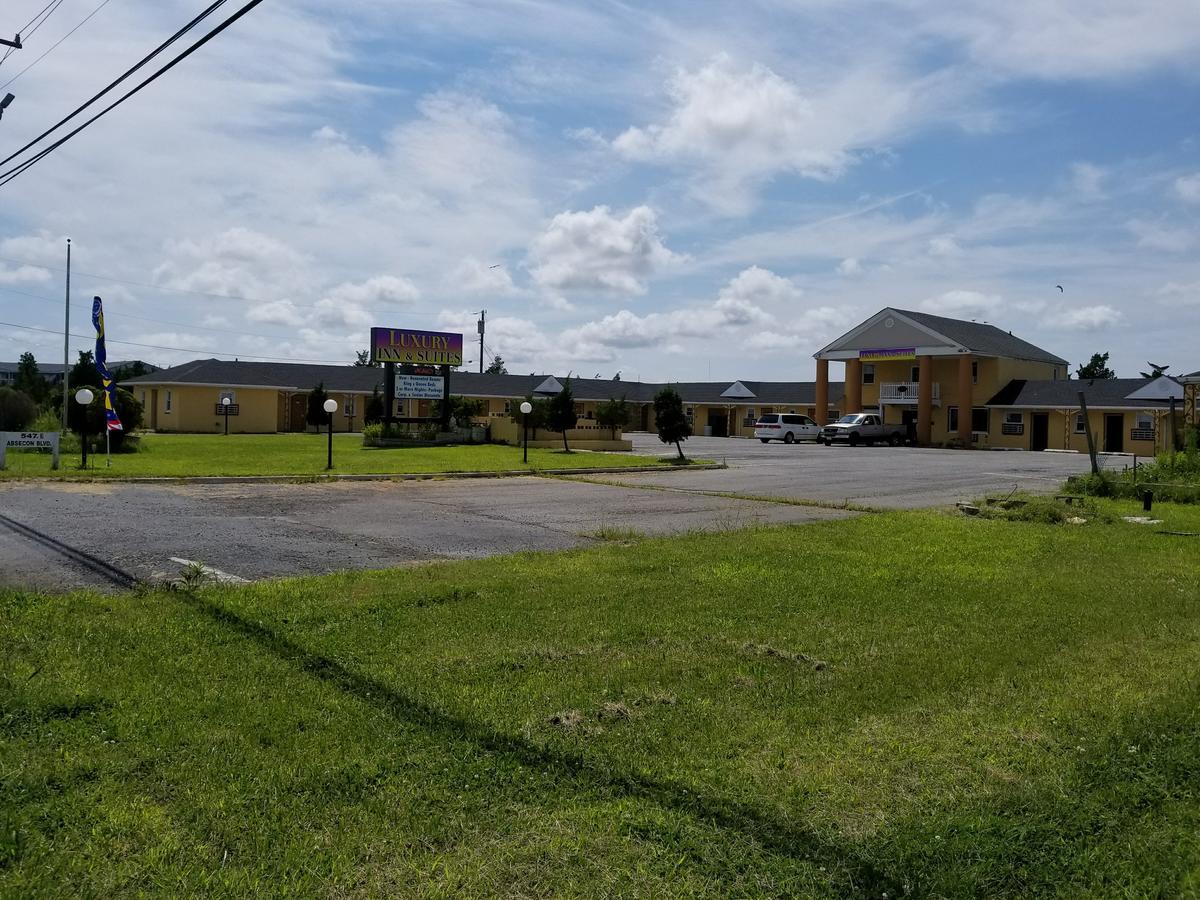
{"x":670,"y":190}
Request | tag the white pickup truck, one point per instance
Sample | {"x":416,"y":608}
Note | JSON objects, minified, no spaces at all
{"x":862,"y":428}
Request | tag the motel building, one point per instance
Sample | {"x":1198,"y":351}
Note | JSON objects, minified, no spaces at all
{"x":949,"y":382}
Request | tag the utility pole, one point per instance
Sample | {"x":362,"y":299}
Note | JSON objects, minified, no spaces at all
{"x":482,"y":321}
{"x":15,"y":43}
{"x":67,"y":339}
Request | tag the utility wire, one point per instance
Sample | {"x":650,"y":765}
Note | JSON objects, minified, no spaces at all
{"x":46,"y":12}
{"x":128,"y":72}
{"x":13,"y":173}
{"x":54,"y":46}
{"x":214,"y":353}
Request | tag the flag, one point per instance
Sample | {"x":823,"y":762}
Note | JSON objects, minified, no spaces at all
{"x":110,"y":389}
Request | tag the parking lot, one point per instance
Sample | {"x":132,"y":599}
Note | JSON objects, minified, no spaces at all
{"x":881,"y":476}
{"x":271,"y":530}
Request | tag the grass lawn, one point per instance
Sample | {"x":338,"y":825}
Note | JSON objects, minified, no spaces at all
{"x":910,"y":703}
{"x":176,"y":455}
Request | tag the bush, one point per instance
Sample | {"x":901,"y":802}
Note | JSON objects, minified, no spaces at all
{"x":1043,"y":511}
{"x":129,"y":410}
{"x":17,"y":410}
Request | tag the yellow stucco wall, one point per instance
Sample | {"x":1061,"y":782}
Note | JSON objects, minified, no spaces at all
{"x":192,"y":409}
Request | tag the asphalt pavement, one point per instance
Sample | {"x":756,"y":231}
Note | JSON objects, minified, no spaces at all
{"x":252,"y":531}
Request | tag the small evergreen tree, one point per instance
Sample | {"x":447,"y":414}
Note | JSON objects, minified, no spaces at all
{"x":536,"y":419}
{"x":133,"y":370}
{"x":362,"y":359}
{"x":1097,"y":367}
{"x":316,"y":406}
{"x":374,"y":410}
{"x":83,"y":373}
{"x":497,"y":367}
{"x":672,"y":424}
{"x":1156,"y":371}
{"x":29,"y":378}
{"x":613,"y":415}
{"x":561,"y":414}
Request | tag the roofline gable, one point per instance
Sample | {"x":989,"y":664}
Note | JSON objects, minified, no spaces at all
{"x":879,"y":317}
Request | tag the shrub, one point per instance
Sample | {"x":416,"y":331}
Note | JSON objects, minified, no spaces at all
{"x":17,"y":410}
{"x":672,"y":424}
{"x":560,"y":414}
{"x":613,"y":415}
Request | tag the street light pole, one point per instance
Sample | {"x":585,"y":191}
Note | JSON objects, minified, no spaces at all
{"x":526,"y":409}
{"x":330,"y":407}
{"x":84,"y":398}
{"x":225,"y":410}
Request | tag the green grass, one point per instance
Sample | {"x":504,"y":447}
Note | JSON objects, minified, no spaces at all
{"x":916,"y":703}
{"x":181,"y":455}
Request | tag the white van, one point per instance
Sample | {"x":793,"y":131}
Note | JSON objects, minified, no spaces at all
{"x":786,"y":427}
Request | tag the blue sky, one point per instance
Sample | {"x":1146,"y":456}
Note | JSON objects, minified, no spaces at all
{"x":669,"y":190}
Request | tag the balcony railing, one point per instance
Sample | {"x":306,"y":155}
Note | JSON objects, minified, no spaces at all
{"x":897,"y":392}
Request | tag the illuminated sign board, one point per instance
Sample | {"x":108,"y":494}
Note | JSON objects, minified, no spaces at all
{"x":419,"y":387}
{"x":886,"y":355}
{"x":402,"y":345}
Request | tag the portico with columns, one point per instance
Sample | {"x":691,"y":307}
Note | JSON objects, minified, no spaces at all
{"x":931,"y":373}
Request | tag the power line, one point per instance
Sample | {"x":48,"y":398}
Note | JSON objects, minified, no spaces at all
{"x":46,"y":12}
{"x":54,"y":46}
{"x":128,"y":72}
{"x":214,"y":353}
{"x":13,"y":173}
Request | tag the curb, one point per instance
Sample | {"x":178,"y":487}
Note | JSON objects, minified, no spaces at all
{"x":397,"y":476}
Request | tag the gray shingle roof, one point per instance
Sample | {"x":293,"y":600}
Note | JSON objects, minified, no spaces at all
{"x":1111,"y":393}
{"x":983,"y":338}
{"x":362,"y":379}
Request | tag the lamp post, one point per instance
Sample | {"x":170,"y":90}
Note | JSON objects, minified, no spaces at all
{"x":526,"y":409}
{"x":84,"y":398}
{"x":330,"y":407}
{"x":225,"y":411}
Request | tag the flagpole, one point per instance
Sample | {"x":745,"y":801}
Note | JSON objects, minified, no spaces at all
{"x":67,"y":340}
{"x":108,"y":444}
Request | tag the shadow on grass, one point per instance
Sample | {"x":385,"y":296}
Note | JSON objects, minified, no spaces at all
{"x":852,"y":875}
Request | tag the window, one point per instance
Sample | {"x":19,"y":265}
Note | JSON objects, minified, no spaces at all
{"x":914,"y":374}
{"x":832,"y":416}
{"x":1080,"y":424}
{"x":688,"y":411}
{"x":1145,"y":422}
{"x":975,"y":376}
{"x":507,"y":407}
{"x":348,"y":406}
{"x":868,"y":374}
{"x":979,"y":419}
{"x":750,"y":413}
{"x":952,"y":419}
{"x":142,"y":396}
{"x":167,"y":402}
{"x":1014,"y":423}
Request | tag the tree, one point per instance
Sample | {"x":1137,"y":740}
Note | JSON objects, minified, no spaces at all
{"x":462,"y":409}
{"x":362,"y":359}
{"x":1096,"y":368}
{"x":17,"y":410}
{"x":1156,"y":371}
{"x":374,"y":410}
{"x":560,"y":414}
{"x":316,"y":406}
{"x":537,"y":418}
{"x":613,"y":415}
{"x":84,"y":373}
{"x":129,"y":411}
{"x":497,"y":367}
{"x":133,"y":370}
{"x":29,"y":378}
{"x":672,"y":424}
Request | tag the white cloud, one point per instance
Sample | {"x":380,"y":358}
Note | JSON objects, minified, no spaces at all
{"x":739,"y":125}
{"x":1157,"y":236}
{"x":1188,"y":187}
{"x":392,"y":290}
{"x":850,"y":266}
{"x":1085,"y":318}
{"x":23,"y":274}
{"x":41,"y":247}
{"x":963,"y":303}
{"x":599,"y":251}
{"x":1088,"y":179}
{"x":275,"y":312}
{"x":477,"y":277}
{"x":944,"y":245}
